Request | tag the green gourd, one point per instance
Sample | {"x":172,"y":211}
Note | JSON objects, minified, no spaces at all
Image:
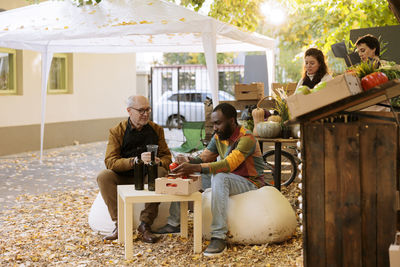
{"x":269,"y":129}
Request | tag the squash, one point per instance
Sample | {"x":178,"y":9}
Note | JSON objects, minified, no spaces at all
{"x":268,"y":129}
{"x":372,"y":80}
{"x":258,"y":115}
{"x":275,"y":118}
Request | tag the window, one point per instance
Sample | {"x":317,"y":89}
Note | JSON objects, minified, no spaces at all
{"x":8,"y":71}
{"x":60,"y":74}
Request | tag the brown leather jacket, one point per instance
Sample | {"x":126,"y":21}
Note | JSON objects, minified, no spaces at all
{"x":113,"y":159}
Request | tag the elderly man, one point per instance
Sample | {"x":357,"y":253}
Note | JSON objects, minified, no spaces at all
{"x":240,"y":169}
{"x":127,"y":141}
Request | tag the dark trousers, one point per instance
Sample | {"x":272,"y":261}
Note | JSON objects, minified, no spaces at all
{"x":108,"y":181}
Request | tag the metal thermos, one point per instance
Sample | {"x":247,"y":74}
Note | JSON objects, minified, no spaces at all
{"x":152,"y":172}
{"x":138,"y":173}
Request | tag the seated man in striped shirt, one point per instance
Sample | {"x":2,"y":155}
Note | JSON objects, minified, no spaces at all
{"x":240,"y":169}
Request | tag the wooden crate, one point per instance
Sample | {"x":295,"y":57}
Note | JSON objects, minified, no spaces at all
{"x":251,"y":91}
{"x":349,"y":193}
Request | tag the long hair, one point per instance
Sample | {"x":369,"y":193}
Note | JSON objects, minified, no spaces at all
{"x":370,"y":41}
{"x":319,"y":56}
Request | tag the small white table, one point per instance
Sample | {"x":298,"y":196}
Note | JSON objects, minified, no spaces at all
{"x":127,"y":195}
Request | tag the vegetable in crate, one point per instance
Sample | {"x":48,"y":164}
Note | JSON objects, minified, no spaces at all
{"x":369,"y":74}
{"x":304,"y":89}
{"x":391,"y":69}
{"x":373,"y":79}
{"x":319,"y":86}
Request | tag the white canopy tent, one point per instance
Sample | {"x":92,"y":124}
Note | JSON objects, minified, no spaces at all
{"x":123,"y":26}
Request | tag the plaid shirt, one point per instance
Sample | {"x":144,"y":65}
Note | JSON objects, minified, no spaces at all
{"x":240,"y":154}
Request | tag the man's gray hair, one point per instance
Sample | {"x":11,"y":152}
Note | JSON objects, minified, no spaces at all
{"x":130,"y":101}
{"x":133,"y":99}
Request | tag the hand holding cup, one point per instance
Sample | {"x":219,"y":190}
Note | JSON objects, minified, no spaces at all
{"x":146,"y":157}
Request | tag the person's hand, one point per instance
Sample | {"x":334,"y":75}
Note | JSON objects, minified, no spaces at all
{"x":180,"y":158}
{"x":146,"y":157}
{"x":186,"y":168}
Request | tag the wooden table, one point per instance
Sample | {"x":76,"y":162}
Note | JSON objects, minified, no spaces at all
{"x":278,"y":149}
{"x":127,"y":196}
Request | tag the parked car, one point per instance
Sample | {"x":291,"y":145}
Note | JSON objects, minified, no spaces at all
{"x":191,"y":107}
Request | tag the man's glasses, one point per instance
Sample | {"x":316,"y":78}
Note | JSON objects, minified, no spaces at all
{"x":142,"y":110}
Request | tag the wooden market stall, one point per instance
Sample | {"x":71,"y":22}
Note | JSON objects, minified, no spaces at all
{"x":350,"y":181}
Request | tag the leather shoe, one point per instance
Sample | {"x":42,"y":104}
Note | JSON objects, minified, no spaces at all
{"x":145,"y":233}
{"x":112,"y":236}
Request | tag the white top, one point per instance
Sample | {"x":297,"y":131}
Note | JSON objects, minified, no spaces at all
{"x":327,"y":77}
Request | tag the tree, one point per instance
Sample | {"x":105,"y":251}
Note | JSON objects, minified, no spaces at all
{"x":323,"y":23}
{"x":244,"y":14}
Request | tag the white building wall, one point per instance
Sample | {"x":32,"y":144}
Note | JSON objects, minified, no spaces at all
{"x":101,"y":83}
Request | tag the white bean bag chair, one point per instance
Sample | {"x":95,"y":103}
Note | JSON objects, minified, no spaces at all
{"x":100,"y":220}
{"x":256,"y":217}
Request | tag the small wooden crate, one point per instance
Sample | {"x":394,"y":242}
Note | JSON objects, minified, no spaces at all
{"x":349,"y":193}
{"x":253,"y":91}
{"x":178,"y":186}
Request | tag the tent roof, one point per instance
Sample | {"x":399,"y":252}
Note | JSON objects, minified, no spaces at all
{"x":119,"y":26}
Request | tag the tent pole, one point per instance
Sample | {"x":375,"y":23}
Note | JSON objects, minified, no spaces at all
{"x":270,"y":55}
{"x":47,"y":57}
{"x":210,"y":52}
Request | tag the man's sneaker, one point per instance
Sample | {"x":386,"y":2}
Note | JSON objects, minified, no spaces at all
{"x":168,"y":229}
{"x":216,"y":247}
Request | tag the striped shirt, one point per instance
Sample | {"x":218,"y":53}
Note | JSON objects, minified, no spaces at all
{"x":240,"y":154}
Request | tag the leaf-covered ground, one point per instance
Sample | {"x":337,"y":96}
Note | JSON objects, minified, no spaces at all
{"x":45,"y":222}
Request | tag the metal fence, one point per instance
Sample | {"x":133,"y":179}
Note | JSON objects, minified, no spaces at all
{"x":178,"y":92}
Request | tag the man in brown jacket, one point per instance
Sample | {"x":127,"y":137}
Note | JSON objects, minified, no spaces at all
{"x":127,"y":141}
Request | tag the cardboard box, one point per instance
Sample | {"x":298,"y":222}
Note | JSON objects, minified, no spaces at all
{"x":340,"y":87}
{"x":394,"y":252}
{"x":289,"y":87}
{"x":178,"y":186}
{"x":253,"y":91}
